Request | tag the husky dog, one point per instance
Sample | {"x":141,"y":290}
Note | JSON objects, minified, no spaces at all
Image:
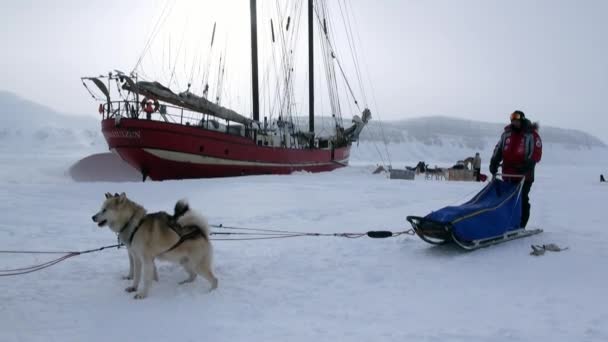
{"x":182,"y":238}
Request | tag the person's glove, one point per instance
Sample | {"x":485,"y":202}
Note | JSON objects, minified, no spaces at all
{"x":493,"y":169}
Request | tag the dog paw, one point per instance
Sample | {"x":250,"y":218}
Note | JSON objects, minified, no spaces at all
{"x":185,"y":282}
{"x":131,"y":289}
{"x":139,"y":296}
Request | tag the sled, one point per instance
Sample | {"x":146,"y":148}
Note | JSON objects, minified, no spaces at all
{"x":492,"y":216}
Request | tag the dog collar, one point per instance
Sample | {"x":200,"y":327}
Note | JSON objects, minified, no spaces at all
{"x":126,"y":225}
{"x":124,"y":228}
{"x":135,"y":230}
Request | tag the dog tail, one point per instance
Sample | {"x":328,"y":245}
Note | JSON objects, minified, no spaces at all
{"x":188,"y":217}
{"x":181,"y":208}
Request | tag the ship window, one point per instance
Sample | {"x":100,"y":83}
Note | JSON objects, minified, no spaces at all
{"x":201,"y":148}
{"x":226,"y":151}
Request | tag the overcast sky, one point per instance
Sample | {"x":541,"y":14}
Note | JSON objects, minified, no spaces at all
{"x":476,"y":59}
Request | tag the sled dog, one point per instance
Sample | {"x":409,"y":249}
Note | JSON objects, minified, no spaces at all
{"x":181,"y":238}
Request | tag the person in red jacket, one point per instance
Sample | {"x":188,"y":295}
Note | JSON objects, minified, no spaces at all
{"x":519,"y":149}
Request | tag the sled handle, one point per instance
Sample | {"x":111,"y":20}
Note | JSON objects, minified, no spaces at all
{"x":511,"y":175}
{"x":508,"y":175}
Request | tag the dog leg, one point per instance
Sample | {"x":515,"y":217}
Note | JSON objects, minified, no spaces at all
{"x":148,"y":270}
{"x":204,"y":270}
{"x":130,"y":275}
{"x":155,"y":272}
{"x":136,"y":275}
{"x":191,"y":274}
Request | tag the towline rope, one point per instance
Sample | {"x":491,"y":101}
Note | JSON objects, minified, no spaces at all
{"x":277,"y":233}
{"x":38,"y":267}
{"x":251,"y":233}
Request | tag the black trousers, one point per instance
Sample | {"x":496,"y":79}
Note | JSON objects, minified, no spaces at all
{"x":525,"y":204}
{"x":477,"y":172}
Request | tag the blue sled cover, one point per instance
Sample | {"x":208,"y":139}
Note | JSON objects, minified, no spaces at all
{"x":495,"y":210}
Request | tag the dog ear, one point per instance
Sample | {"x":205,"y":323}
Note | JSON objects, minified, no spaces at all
{"x":108,"y":195}
{"x":122,"y":197}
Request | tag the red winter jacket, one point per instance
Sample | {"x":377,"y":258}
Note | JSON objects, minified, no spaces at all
{"x":519,"y":150}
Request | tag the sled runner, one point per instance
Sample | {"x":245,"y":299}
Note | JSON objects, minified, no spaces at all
{"x":490,"y":217}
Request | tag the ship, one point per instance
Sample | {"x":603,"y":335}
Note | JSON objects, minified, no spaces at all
{"x":167,"y":134}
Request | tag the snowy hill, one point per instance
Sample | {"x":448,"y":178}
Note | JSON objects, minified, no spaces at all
{"x":27,"y":126}
{"x":39,"y":144}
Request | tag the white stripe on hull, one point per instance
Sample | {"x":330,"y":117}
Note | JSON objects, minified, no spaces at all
{"x":198,"y":159}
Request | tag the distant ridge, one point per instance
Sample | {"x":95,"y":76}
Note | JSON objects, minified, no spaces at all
{"x":473,"y":134}
{"x":439,"y":130}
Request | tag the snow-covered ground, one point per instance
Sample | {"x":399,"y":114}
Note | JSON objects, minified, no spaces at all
{"x":307,"y":288}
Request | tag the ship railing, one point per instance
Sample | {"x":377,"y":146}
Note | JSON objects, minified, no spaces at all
{"x":170,"y":114}
{"x":183,"y":116}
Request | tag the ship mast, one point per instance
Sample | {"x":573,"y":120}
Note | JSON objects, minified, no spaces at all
{"x":311,"y":70}
{"x":254,"y":66}
{"x":254,"y":61}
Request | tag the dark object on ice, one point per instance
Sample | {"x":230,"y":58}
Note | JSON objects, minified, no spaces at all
{"x":538,"y":250}
{"x":602,"y":179}
{"x":402,"y":174}
{"x":419,"y":168}
{"x":491,"y":217}
{"x":458,"y":166}
{"x":477,"y":167}
{"x":379,"y":169}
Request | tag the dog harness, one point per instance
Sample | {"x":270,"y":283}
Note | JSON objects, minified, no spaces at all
{"x":193,"y":233}
{"x":184,"y":233}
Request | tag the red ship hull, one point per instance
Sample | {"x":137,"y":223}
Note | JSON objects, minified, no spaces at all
{"x":161,"y":150}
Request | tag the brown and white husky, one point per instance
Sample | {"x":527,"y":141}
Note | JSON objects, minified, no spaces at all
{"x":181,"y":238}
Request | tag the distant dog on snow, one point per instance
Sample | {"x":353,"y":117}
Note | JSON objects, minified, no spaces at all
{"x":182,"y":239}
